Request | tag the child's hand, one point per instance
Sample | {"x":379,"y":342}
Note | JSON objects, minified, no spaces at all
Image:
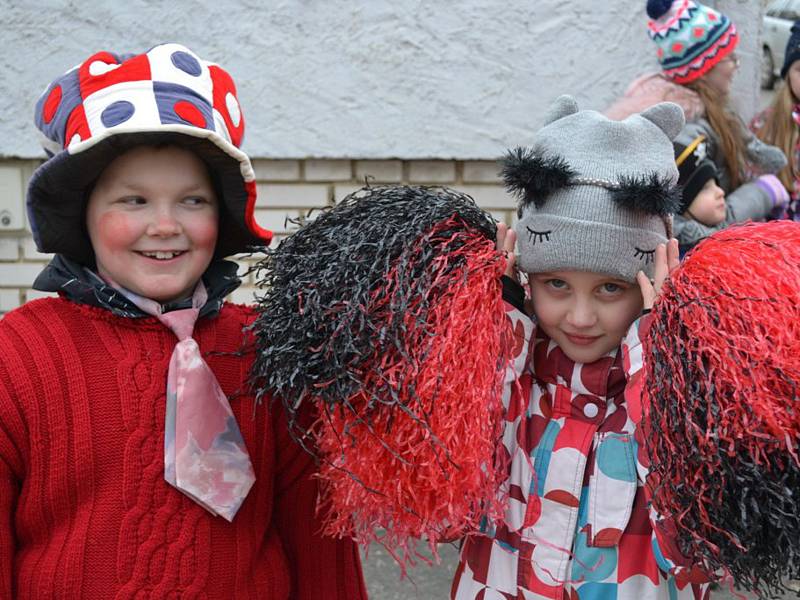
{"x":505,"y":242}
{"x":667,"y":260}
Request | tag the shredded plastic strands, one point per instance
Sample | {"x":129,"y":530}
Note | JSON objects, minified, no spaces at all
{"x":723,"y":426}
{"x":386,"y":313}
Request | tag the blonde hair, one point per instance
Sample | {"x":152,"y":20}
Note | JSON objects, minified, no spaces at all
{"x":728,"y":128}
{"x":779,"y":129}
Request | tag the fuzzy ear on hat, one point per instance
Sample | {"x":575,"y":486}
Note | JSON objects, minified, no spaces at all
{"x":668,"y":116}
{"x":651,"y":193}
{"x":563,"y":106}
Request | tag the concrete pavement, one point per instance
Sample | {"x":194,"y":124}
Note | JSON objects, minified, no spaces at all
{"x":433,"y":583}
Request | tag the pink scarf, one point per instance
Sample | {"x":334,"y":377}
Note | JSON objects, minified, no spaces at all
{"x":204,"y":454}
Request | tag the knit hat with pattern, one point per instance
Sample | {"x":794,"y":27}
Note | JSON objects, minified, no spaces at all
{"x":596,"y":194}
{"x":111,"y":103}
{"x":691,"y":38}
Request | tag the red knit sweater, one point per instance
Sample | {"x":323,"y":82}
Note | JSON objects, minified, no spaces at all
{"x":84,"y":508}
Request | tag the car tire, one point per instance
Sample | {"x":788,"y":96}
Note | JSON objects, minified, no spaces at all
{"x":767,"y":69}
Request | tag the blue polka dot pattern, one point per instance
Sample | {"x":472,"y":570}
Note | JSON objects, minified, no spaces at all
{"x":186,"y":63}
{"x":590,"y":564}
{"x":169,"y":94}
{"x":598,"y":591}
{"x":116,"y":113}
{"x":541,"y":457}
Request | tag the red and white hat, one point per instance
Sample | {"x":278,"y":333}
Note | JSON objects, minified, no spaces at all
{"x":110,"y":103}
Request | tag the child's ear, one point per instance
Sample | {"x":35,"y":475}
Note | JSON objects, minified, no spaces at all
{"x":668,"y":116}
{"x":563,"y":106}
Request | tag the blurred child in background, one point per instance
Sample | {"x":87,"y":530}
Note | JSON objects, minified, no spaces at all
{"x":779,"y":124}
{"x":704,"y":208}
{"x":696,"y":48}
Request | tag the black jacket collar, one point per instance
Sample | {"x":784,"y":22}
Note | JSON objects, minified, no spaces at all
{"x":82,"y":285}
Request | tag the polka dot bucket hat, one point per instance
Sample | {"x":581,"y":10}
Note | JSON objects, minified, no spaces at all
{"x":111,"y":103}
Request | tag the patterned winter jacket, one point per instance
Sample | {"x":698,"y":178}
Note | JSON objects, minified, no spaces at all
{"x":576,"y":526}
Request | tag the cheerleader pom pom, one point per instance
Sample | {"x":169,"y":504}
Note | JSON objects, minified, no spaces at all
{"x":385,"y":315}
{"x":722,"y":397}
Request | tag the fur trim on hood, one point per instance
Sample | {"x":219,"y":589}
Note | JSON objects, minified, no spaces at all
{"x":651,"y":89}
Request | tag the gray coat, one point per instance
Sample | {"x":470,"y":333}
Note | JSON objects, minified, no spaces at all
{"x":747,"y":202}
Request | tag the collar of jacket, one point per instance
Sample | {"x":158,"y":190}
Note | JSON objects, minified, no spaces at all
{"x":603,"y":378}
{"x":83,"y":286}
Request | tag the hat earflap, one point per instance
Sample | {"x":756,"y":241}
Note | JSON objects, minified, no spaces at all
{"x":533,"y":176}
{"x":648,"y":193}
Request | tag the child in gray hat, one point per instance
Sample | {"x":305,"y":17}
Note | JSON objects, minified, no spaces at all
{"x":594,"y":238}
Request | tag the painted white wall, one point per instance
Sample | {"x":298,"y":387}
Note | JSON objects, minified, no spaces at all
{"x":747,"y":15}
{"x":359,"y":79}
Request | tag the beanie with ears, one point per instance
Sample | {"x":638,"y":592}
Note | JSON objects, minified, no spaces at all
{"x":596,"y":194}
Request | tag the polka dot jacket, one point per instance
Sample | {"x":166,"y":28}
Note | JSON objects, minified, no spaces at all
{"x":576,"y":525}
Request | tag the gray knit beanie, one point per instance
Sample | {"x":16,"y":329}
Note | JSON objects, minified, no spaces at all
{"x":595,"y":194}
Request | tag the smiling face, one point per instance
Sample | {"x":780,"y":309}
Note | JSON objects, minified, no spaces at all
{"x":153,"y":218}
{"x":587,"y":314}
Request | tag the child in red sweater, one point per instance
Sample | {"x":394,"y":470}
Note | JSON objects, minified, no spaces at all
{"x":133,"y":460}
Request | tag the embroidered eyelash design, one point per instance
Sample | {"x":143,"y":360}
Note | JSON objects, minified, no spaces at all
{"x":646,"y":255}
{"x":538,"y":236}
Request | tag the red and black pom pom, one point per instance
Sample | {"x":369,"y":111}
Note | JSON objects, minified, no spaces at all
{"x":385,"y":313}
{"x":722,"y":398}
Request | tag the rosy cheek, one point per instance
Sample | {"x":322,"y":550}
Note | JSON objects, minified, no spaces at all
{"x":204,"y":232}
{"x":114,"y":230}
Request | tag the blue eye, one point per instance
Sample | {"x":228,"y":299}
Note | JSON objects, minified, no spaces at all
{"x":558,"y":284}
{"x":611,"y":288}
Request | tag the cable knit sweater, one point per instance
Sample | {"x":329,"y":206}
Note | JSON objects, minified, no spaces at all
{"x":84,"y":508}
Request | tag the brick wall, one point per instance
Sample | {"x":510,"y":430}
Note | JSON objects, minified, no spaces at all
{"x":287,"y":189}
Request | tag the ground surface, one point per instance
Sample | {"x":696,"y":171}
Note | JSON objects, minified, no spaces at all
{"x":433,"y":583}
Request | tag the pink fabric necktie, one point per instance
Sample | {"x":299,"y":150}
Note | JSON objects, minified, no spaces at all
{"x":204,"y":454}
